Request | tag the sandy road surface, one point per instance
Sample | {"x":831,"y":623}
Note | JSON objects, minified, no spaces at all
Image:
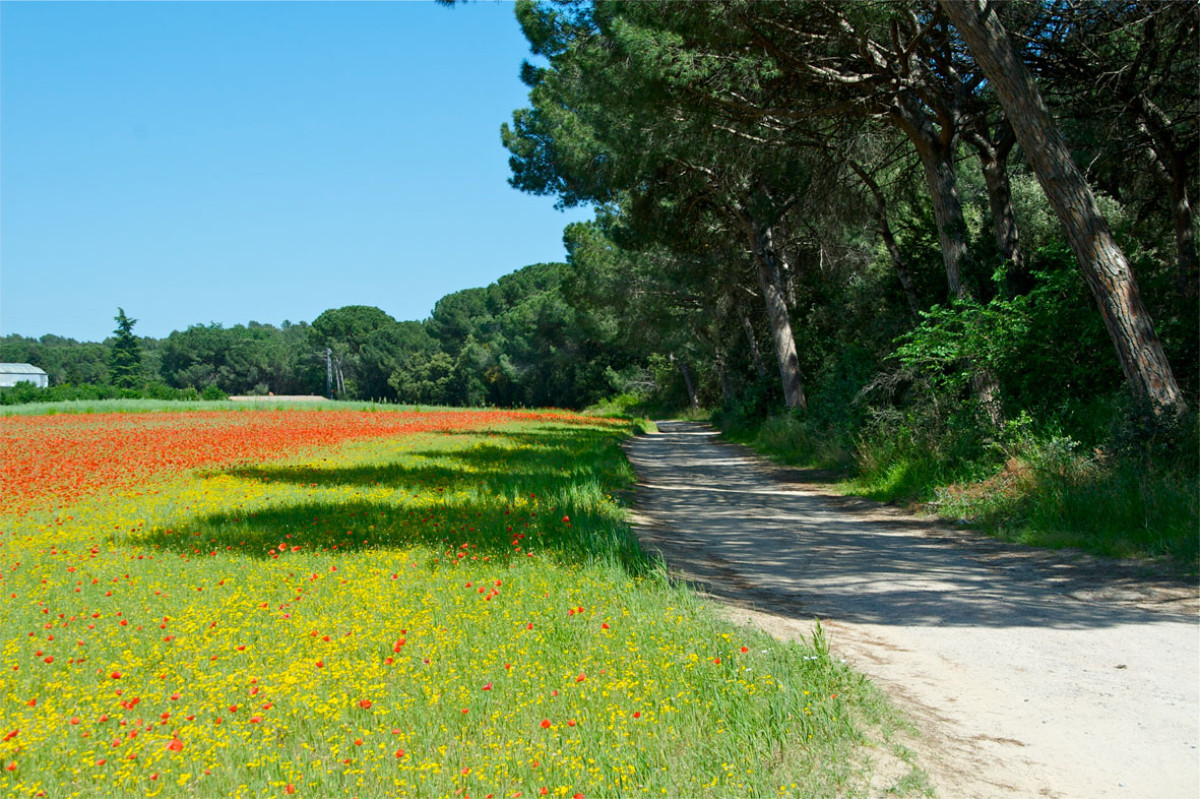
{"x":1029,"y":673}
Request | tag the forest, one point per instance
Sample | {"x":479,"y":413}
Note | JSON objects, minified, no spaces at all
{"x":934,"y":245}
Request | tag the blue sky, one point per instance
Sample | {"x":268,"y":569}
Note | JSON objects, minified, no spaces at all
{"x":229,"y":162}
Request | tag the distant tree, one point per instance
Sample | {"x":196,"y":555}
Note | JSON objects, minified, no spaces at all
{"x":348,"y":333}
{"x":125,"y":357}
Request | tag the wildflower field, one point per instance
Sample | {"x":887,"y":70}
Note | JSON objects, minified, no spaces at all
{"x":348,"y":603}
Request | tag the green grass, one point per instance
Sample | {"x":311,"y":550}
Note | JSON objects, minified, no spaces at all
{"x":1117,"y":508}
{"x":300,"y":590}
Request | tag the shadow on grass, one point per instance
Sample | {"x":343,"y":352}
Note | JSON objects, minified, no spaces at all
{"x":545,"y":491}
{"x":549,"y":457}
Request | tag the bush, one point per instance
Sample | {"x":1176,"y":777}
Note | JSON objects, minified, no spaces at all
{"x":25,"y":393}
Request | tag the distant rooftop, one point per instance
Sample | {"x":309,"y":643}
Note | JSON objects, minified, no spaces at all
{"x":20,"y":369}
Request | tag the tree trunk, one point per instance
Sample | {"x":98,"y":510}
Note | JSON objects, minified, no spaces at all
{"x":993,"y":160}
{"x":723,"y":375}
{"x":906,"y":281}
{"x":937,"y":160}
{"x":1187,"y":264}
{"x":755,"y":352}
{"x":688,"y":383}
{"x":767,"y":257}
{"x":936,"y":152}
{"x":1104,"y":265}
{"x":889,"y":239}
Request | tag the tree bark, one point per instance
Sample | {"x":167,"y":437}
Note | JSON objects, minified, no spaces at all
{"x":769,"y":277}
{"x":1104,"y":266}
{"x":1187,"y":263}
{"x":755,"y":352}
{"x":993,"y":161}
{"x":936,"y":151}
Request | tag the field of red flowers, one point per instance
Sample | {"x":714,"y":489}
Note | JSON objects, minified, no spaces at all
{"x":60,"y":459}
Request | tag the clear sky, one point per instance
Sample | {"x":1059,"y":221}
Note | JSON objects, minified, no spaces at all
{"x":229,"y":162}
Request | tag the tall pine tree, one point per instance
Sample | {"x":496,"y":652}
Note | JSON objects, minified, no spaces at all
{"x":125,"y":359}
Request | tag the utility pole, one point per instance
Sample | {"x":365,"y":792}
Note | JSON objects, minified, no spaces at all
{"x":328,"y":373}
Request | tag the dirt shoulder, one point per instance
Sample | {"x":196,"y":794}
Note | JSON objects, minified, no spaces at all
{"x":1028,"y":672}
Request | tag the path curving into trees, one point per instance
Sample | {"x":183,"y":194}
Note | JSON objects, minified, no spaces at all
{"x":1027,"y":672}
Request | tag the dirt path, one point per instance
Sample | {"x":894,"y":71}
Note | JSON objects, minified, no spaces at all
{"x":1029,"y":673}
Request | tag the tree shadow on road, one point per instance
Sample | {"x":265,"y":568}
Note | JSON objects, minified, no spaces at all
{"x":725,"y":524}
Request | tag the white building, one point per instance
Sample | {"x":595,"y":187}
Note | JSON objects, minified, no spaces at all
{"x":13,"y":373}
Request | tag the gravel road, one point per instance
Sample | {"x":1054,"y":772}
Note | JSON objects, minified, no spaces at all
{"x":1028,"y":673}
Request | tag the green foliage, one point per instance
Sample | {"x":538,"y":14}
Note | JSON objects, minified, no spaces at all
{"x":243,"y":359}
{"x":27,"y":393}
{"x":64,"y":360}
{"x":1043,"y":346}
{"x":423,"y":378}
{"x":365,"y":345}
{"x":125,"y":354}
{"x":515,"y":343}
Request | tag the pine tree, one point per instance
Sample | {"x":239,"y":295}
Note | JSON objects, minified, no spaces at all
{"x":125,"y":360}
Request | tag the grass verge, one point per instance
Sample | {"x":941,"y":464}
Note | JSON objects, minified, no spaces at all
{"x":1046,"y":492}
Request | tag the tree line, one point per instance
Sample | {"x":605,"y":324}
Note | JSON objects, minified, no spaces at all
{"x":517,"y":342}
{"x":887,"y":205}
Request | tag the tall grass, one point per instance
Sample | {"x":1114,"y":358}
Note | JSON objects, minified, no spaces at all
{"x":1043,"y":490}
{"x":1050,"y":493}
